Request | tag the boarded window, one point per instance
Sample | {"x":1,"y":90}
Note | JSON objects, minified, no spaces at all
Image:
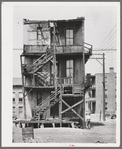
{"x":69,"y":37}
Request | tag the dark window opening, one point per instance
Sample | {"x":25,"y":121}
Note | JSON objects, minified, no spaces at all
{"x":13,"y":100}
{"x":105,"y":95}
{"x":93,"y":93}
{"x":13,"y":110}
{"x":20,"y":100}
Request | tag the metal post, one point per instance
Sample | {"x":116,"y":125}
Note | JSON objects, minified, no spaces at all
{"x":103,"y":87}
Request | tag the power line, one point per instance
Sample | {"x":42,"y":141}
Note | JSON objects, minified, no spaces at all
{"x":107,"y":35}
{"x":111,"y":44}
{"x":110,"y":40}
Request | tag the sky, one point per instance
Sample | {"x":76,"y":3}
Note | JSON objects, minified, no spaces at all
{"x":99,"y":20}
{"x":100,"y":27}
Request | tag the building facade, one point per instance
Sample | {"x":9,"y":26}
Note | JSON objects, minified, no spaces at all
{"x":94,"y":102}
{"x":17,"y":99}
{"x":52,"y":66}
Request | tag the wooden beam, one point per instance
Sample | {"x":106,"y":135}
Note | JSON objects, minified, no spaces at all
{"x":72,"y":106}
{"x":72,"y":110}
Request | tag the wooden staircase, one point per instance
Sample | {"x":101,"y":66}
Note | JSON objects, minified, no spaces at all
{"x":47,"y":103}
{"x":43,"y":78}
{"x":42,"y":62}
{"x":39,"y":63}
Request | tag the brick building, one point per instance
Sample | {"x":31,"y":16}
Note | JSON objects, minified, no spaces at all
{"x":94,"y":102}
{"x":17,"y":98}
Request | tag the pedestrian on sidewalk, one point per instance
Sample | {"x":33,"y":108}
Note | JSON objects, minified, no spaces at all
{"x":88,"y":120}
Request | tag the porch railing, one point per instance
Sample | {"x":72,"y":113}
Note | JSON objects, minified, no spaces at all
{"x":66,"y":80}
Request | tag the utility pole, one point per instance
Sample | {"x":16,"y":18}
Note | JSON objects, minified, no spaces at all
{"x":103,"y":87}
{"x":103,"y":65}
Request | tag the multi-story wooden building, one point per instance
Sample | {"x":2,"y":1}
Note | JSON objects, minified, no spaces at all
{"x":53,"y":68}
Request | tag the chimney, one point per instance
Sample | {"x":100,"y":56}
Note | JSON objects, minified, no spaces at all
{"x":111,"y":70}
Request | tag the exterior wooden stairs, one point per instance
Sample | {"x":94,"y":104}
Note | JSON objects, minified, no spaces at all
{"x":39,"y":63}
{"x":42,"y":61}
{"x":47,"y":103}
{"x":43,"y":78}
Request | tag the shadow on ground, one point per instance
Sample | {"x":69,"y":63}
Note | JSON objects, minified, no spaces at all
{"x":96,"y":124}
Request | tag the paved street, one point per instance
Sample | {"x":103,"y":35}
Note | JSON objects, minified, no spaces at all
{"x":99,"y":132}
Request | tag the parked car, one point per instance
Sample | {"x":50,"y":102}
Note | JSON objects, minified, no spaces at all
{"x":113,"y":116}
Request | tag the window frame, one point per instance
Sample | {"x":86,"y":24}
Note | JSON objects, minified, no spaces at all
{"x":69,"y":67}
{"x":69,"y":37}
{"x":20,"y":97}
{"x":14,"y":110}
{"x":20,"y":111}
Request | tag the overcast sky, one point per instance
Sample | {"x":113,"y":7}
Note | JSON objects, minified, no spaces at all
{"x":100,"y":26}
{"x":100,"y":19}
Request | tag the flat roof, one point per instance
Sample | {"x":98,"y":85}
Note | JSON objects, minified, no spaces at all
{"x":27,"y":21}
{"x":17,"y":81}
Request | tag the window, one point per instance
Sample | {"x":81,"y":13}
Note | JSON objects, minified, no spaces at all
{"x":105,"y":95}
{"x":20,"y":100}
{"x":69,"y":71}
{"x":13,"y":97}
{"x":14,"y":110}
{"x":93,"y":93}
{"x":69,"y":68}
{"x":20,"y":97}
{"x":20,"y":110}
{"x":69,"y":37}
{"x":39,"y":34}
{"x":13,"y":100}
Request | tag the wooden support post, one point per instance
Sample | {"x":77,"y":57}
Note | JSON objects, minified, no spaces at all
{"x":72,"y":106}
{"x":54,"y":59}
{"x":38,"y":118}
{"x":23,"y":89}
{"x":83,"y":78}
{"x":60,"y":108}
{"x":53,"y":124}
{"x":33,"y":79}
{"x":73,"y":110}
